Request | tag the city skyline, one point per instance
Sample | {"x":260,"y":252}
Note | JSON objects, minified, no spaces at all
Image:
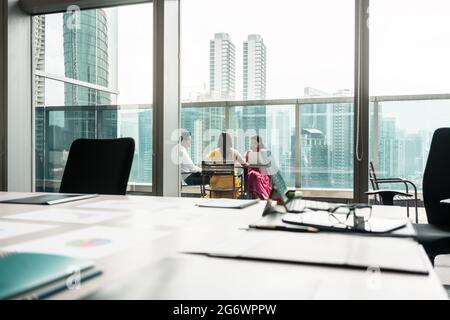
{"x":309,"y":64}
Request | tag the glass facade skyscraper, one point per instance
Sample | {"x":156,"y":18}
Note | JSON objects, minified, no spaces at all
{"x":254,"y":85}
{"x":222,"y":67}
{"x":86,"y":57}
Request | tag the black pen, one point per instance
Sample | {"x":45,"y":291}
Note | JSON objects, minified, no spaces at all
{"x":285,"y":228}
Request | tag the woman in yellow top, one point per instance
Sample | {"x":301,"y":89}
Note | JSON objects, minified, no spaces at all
{"x":225,"y":152}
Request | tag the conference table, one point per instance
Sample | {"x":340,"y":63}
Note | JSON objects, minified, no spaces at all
{"x":138,"y":243}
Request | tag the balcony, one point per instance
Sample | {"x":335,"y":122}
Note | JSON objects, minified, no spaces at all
{"x":311,"y":139}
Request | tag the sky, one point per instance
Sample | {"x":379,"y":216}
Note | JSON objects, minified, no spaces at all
{"x":306,"y":45}
{"x":310,"y":43}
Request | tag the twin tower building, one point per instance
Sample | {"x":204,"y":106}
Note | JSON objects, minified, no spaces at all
{"x":222,"y":68}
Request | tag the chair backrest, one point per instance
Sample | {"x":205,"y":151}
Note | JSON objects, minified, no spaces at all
{"x":98,"y":166}
{"x":373,"y":177}
{"x":436,"y":178}
{"x":217,"y":168}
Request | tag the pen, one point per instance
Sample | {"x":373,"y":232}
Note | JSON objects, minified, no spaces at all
{"x":285,"y":228}
{"x":302,"y":228}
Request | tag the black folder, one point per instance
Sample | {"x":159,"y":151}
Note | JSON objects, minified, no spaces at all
{"x":49,"y":199}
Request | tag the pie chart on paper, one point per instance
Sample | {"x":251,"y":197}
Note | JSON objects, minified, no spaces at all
{"x":88,"y":243}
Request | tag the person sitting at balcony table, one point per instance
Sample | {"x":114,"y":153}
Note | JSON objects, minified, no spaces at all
{"x":259,"y":185}
{"x":226,"y":153}
{"x":191,"y":174}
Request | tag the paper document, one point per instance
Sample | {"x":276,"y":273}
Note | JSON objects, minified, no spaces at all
{"x":91,"y":243}
{"x":14,"y":229}
{"x":169,"y":219}
{"x":67,"y":215}
{"x":227,"y":203}
{"x":129,"y":206}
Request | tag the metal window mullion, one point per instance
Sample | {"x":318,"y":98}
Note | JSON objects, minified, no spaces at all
{"x":166,"y":91}
{"x":97,"y":122}
{"x":298,"y":142}
{"x":227,"y":116}
{"x":3,"y":95}
{"x":361,"y":102}
{"x":44,"y":137}
{"x":376,"y":122}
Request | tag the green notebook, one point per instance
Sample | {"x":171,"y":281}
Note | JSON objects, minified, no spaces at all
{"x":21,"y":273}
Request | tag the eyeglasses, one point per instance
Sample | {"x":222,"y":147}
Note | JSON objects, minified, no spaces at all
{"x":343,"y":215}
{"x":350,"y":215}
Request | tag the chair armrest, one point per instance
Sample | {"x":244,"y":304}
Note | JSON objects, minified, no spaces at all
{"x":387,"y":196}
{"x":393,"y":180}
{"x":395,"y":193}
{"x":396,"y":179}
{"x":399,"y":180}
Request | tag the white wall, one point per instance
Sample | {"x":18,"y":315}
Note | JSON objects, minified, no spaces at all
{"x":19,"y":100}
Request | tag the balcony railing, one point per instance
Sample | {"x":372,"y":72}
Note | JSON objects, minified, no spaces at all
{"x":311,"y":139}
{"x":57,"y":127}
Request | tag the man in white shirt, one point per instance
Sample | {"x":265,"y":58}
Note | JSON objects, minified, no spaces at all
{"x":191,"y":174}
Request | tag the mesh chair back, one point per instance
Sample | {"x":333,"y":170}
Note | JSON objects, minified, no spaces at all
{"x":217,"y":168}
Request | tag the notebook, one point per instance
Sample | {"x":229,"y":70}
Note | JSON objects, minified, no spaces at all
{"x":49,"y":199}
{"x":323,"y":249}
{"x":227,"y":203}
{"x":22,"y":273}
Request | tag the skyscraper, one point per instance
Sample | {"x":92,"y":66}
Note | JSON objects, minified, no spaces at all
{"x":254,"y":84}
{"x":222,"y":67}
{"x":86,"y":58}
{"x":39,"y":98}
{"x":315,"y":161}
{"x":254,"y":87}
{"x":342,"y":146}
{"x":39,"y":59}
{"x":145,"y":157}
{"x":388,"y":147}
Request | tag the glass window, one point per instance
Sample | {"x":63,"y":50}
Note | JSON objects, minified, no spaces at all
{"x":93,"y":80}
{"x":297,"y":50}
{"x":409,"y":70}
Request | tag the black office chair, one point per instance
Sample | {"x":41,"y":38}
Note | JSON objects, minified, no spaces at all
{"x":435,"y":236}
{"x":98,"y":166}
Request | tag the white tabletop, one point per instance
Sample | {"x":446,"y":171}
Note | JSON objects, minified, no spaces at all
{"x":153,"y":231}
